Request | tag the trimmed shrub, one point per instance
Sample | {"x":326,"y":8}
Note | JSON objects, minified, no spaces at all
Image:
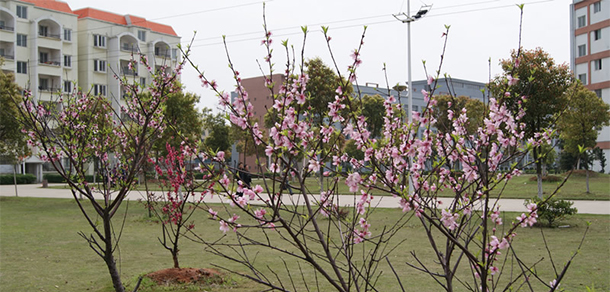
{"x":548,"y":178}
{"x":53,"y":178}
{"x":553,"y":210}
{"x":7,"y":179}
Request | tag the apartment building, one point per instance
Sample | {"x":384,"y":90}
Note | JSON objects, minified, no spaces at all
{"x":38,"y":45}
{"x":107,"y":42}
{"x":52,"y":50}
{"x":590,"y":53}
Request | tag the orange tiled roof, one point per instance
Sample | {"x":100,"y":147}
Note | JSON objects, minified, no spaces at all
{"x":101,"y":15}
{"x":125,"y":20}
{"x":51,"y":5}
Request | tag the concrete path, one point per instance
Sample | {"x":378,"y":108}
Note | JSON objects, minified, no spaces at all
{"x":516,"y":205}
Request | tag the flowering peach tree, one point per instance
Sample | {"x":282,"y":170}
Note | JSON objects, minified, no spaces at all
{"x":467,"y":232}
{"x":80,"y":132}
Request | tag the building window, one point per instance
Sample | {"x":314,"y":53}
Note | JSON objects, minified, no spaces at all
{"x":597,"y":64}
{"x":43,"y":57}
{"x":143,"y":81}
{"x":67,"y":61}
{"x":582,"y":50}
{"x":22,"y":67}
{"x":174,"y":54}
{"x":99,"y":89}
{"x":43,"y":84}
{"x":22,"y":11}
{"x":22,"y":40}
{"x":597,"y":34}
{"x":99,"y":41}
{"x":598,"y":92}
{"x":67,"y":34}
{"x":43,"y":30}
{"x":99,"y":65}
{"x":582,"y":78}
{"x":67,"y":86}
{"x":582,"y":21}
{"x":597,"y":6}
{"x":142,"y":35}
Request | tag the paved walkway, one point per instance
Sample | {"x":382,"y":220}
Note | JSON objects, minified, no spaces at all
{"x":516,"y":205}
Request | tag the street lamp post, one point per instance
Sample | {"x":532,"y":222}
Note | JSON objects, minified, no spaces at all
{"x":407,"y":18}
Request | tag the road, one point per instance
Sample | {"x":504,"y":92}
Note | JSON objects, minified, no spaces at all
{"x":514,"y":205}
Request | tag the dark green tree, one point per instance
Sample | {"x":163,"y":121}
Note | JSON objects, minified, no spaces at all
{"x":182,"y":121}
{"x":321,"y":88}
{"x":374,"y":111}
{"x":579,"y":124}
{"x":218,"y":132}
{"x":13,"y":142}
{"x":533,"y":74}
{"x":475,"y":111}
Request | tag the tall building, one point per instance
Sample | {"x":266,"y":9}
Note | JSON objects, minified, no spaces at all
{"x":107,"y":42}
{"x":590,"y":53}
{"x":39,"y":45}
{"x":52,"y":49}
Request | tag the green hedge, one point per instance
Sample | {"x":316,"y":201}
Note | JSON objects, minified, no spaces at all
{"x":56,"y":178}
{"x":7,"y":179}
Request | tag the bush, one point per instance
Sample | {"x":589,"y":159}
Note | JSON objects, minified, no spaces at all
{"x":7,"y":179}
{"x":56,"y":178}
{"x":548,"y":178}
{"x":53,"y":178}
{"x":552,"y":210}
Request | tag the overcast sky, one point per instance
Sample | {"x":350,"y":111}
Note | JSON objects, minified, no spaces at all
{"x":480,"y":30}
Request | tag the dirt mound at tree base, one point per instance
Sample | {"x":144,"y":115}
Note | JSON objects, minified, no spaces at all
{"x":186,"y":276}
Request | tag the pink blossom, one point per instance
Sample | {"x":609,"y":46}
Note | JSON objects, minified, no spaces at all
{"x":352,"y":181}
{"x":448,"y":220}
{"x":213,"y":213}
{"x":430,"y":79}
{"x":224,"y":227}
{"x":512,"y":80}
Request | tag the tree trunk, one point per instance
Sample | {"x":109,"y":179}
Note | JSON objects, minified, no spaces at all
{"x":109,"y":257}
{"x":587,"y":175}
{"x":15,"y":180}
{"x":175,"y":258}
{"x":539,"y":179}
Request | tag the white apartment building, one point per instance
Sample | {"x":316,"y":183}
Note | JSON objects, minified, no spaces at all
{"x":107,"y":42}
{"x":590,"y":54}
{"x":38,"y":44}
{"x":52,"y":49}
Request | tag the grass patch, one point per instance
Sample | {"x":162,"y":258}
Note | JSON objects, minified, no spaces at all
{"x":40,"y":250}
{"x":522,"y":187}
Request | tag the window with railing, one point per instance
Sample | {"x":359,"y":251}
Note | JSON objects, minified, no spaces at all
{"x":129,"y":47}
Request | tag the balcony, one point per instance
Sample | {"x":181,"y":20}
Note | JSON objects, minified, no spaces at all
{"x":49,"y":35}
{"x":50,"y":63}
{"x":7,"y":56}
{"x":6,"y":27}
{"x":128,"y":72}
{"x":131,"y":48}
{"x":48,"y":83}
{"x":7,"y":21}
{"x":7,"y":50}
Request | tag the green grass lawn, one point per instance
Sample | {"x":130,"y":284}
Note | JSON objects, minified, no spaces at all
{"x":40,"y":250}
{"x":522,"y":187}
